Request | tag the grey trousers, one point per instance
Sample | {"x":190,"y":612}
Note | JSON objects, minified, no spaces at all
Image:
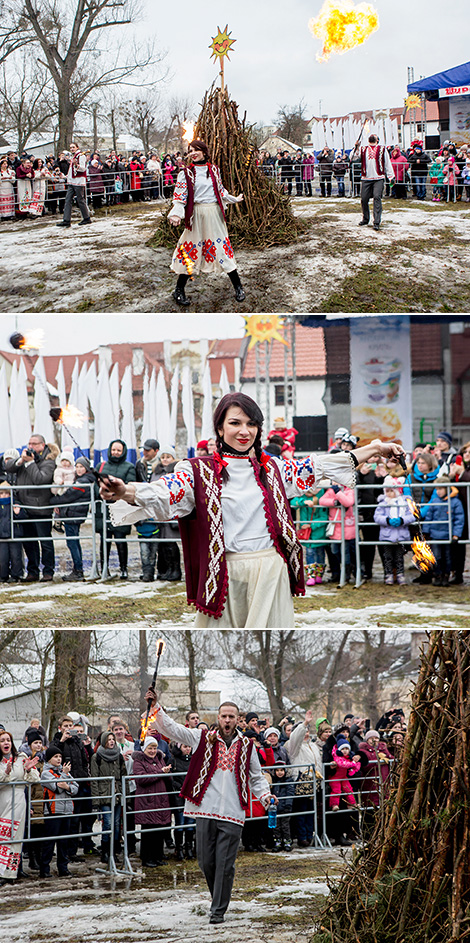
{"x":375,"y":189}
{"x":217,"y":845}
{"x":79,"y":191}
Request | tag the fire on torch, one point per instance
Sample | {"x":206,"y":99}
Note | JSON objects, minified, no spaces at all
{"x":145,"y":724}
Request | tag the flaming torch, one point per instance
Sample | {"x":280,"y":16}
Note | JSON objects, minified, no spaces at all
{"x":33,"y":340}
{"x":187,"y":261}
{"x":188,"y":131}
{"x":69,"y":416}
{"x":423,"y":557}
{"x":342,"y":25}
{"x":145,"y":724}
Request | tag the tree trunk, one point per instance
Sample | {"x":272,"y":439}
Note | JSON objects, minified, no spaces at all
{"x":143,"y":663}
{"x":95,"y":127}
{"x":113,"y":129}
{"x":69,"y":688}
{"x":66,"y":118}
{"x":373,"y":657}
{"x":333,"y":675}
{"x":192,"y":676}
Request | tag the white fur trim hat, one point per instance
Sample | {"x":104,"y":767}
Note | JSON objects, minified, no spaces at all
{"x":391,"y":482}
{"x":272,"y":730}
{"x":148,"y":741}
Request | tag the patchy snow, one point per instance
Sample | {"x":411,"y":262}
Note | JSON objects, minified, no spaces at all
{"x":109,"y":267}
{"x":371,"y":615}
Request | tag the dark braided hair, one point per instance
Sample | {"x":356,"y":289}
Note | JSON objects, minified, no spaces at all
{"x":252,"y":410}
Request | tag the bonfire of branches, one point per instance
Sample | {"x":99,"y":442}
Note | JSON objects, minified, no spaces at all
{"x":411,"y":883}
{"x":265,"y":218}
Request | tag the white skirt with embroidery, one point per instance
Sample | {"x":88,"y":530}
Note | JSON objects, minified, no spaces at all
{"x":259,"y":595}
{"x":207,"y":244}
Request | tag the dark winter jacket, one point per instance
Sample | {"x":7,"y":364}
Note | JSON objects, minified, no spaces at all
{"x":436,"y":518}
{"x":180,"y":764}
{"x":73,"y":750}
{"x":284,"y":789}
{"x":152,"y":803}
{"x":118,"y":468}
{"x":38,"y":472}
{"x":326,"y":163}
{"x":75,"y":501}
{"x":101,"y":786}
{"x":6,"y":520}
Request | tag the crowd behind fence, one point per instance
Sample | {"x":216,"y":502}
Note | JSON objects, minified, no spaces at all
{"x":317,"y":794}
{"x":99,"y":527}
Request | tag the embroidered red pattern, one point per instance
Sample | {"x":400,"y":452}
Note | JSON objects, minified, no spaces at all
{"x":190,"y":248}
{"x":228,"y":248}
{"x":208,"y":250}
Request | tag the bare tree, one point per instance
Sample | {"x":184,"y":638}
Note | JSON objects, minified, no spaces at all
{"x":69,"y":687}
{"x":27,"y":101}
{"x":73,"y":38}
{"x":292,"y":123}
{"x":140,"y":117}
{"x":179,"y":110}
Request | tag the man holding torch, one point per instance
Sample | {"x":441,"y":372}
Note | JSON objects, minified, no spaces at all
{"x":375,"y":167}
{"x":224,"y":769}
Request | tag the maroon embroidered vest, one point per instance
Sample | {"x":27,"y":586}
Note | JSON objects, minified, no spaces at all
{"x":203,"y":765}
{"x":379,"y":160}
{"x":190,"y":175}
{"x":76,"y":170}
{"x":202,"y":535}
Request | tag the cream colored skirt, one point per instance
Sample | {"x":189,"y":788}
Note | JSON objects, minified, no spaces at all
{"x":207,"y":244}
{"x":259,"y":595}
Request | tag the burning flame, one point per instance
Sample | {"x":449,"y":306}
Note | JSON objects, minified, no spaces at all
{"x":187,"y":261}
{"x":67,"y":416}
{"x":32,"y":340}
{"x":343,"y":25}
{"x":413,"y":508}
{"x":160,"y":646}
{"x":145,"y":726}
{"x":188,"y":131}
{"x":423,"y":556}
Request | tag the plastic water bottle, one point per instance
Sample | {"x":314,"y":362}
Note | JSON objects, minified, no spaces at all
{"x":272,"y":814}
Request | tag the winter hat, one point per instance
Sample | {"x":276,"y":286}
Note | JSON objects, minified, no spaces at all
{"x":53,"y":751}
{"x":151,"y":444}
{"x":370,"y":734}
{"x":341,"y":432}
{"x":272,"y":730}
{"x":341,"y":743}
{"x":391,"y":482}
{"x":4,"y":486}
{"x":320,"y":720}
{"x":166,"y":450}
{"x":33,"y":735}
{"x":251,"y":716}
{"x":202,"y":444}
{"x":82,"y":460}
{"x":350,"y":439}
{"x":443,"y":434}
{"x":148,"y":741}
{"x":11,"y":453}
{"x":65,"y":456}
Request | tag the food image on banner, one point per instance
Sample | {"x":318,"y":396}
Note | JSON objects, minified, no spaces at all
{"x":459,"y":117}
{"x":381,"y":379}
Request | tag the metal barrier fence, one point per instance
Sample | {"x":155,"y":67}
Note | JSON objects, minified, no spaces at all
{"x":319,"y":797}
{"x":359,"y":541}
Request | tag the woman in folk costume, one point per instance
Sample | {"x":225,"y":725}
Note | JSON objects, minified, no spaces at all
{"x":243,"y":561}
{"x":205,"y":246}
{"x":14,"y":768}
{"x":7,"y":191}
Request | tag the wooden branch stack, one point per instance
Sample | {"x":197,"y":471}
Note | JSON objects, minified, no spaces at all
{"x":265,"y":217}
{"x":411,"y":884}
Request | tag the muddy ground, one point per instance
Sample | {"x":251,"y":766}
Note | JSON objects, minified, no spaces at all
{"x":419,"y":261}
{"x":276,"y":899}
{"x":131,"y":603}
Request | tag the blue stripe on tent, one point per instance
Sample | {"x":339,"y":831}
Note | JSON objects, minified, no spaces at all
{"x":451,"y":78}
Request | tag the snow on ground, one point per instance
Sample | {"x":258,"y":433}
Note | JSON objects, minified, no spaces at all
{"x":172,"y":905}
{"x":108,"y":266}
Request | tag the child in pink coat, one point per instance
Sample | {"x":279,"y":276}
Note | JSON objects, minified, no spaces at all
{"x":333,"y":498}
{"x":339,"y":782}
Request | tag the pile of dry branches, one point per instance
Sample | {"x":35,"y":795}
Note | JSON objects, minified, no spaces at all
{"x":411,"y":884}
{"x":265,"y":218}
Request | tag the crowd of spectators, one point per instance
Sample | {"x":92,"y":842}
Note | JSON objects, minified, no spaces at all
{"x":312,"y":768}
{"x":45,"y":489}
{"x":31,"y":187}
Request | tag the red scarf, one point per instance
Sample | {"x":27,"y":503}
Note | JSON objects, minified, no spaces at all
{"x":190,"y":174}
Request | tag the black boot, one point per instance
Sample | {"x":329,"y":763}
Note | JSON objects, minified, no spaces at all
{"x":179,"y":846}
{"x":74,"y":577}
{"x":147,"y":574}
{"x":235,"y":279}
{"x":179,"y":294}
{"x":189,"y":845}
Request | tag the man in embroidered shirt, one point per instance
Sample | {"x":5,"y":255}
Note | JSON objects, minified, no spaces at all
{"x":76,"y":187}
{"x":223,"y":768}
{"x":376,"y":165}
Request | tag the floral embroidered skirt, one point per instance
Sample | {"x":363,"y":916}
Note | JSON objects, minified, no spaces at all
{"x":206,"y":245}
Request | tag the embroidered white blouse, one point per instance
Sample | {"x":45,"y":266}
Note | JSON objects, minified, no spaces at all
{"x":220,"y":800}
{"x":244,"y":522}
{"x":203,"y":191}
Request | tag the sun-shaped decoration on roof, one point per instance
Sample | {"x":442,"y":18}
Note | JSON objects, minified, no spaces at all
{"x":221,"y":44}
{"x":413,"y":101}
{"x":264,"y":327}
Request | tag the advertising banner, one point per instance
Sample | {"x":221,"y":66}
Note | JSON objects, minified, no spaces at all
{"x":381,"y":405}
{"x":459,"y":120}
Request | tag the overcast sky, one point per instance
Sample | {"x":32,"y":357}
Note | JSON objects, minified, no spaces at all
{"x":273,"y":61}
{"x":79,"y":333}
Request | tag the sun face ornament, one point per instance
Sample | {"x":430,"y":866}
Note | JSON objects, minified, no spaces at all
{"x":264,"y":327}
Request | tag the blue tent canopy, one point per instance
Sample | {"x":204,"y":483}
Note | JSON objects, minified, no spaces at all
{"x":451,"y":78}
